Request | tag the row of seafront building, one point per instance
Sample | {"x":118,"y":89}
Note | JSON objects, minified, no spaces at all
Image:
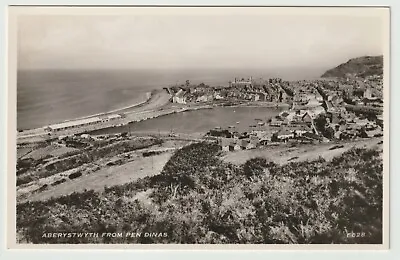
{"x":82,"y":122}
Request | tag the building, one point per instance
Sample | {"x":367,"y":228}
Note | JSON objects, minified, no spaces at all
{"x":372,"y":133}
{"x":334,"y":117}
{"x":234,"y":146}
{"x":338,"y":134}
{"x":225,"y":142}
{"x":73,"y":124}
{"x":110,"y":117}
{"x":255,"y":97}
{"x":203,"y":98}
{"x":367,"y":93}
{"x":307,"y":118}
{"x":179,"y":97}
{"x":241,"y":82}
{"x":254,"y":141}
{"x":282,"y":135}
{"x":299,"y":130}
{"x":244,"y":144}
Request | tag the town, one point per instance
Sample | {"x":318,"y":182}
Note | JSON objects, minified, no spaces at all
{"x":318,"y":111}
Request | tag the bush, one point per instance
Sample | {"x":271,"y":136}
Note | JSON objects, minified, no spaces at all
{"x":75,"y":175}
{"x":200,"y":199}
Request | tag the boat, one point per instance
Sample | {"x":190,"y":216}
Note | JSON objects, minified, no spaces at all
{"x":238,"y":122}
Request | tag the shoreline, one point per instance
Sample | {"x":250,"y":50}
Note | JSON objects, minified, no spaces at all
{"x":148,"y":97}
{"x":156,"y":109}
{"x":148,"y":94}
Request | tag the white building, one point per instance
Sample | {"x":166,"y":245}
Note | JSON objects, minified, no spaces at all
{"x":73,"y":124}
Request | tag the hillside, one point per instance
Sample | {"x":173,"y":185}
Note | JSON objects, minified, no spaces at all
{"x":357,"y":67}
{"x":199,"y":199}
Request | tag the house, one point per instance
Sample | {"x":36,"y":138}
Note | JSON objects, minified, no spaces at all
{"x":338,"y":134}
{"x":361,"y":122}
{"x":254,"y":141}
{"x":202,"y":99}
{"x":225,"y":142}
{"x":367,"y":93}
{"x":283,"y":135}
{"x":62,"y":137}
{"x":179,"y":97}
{"x":287,"y":115}
{"x":85,"y":136}
{"x":299,"y":130}
{"x":255,"y":97}
{"x":245,"y":144}
{"x":372,"y":133}
{"x":263,"y":140}
{"x":334,"y":117}
{"x":234,"y":146}
{"x":313,"y":102}
{"x":218,"y":96}
{"x":307,"y":118}
{"x":258,"y":133}
{"x":349,"y":134}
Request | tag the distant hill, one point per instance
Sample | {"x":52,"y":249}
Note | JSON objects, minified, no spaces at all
{"x":357,"y":67}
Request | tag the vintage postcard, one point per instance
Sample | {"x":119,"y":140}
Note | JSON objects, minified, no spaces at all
{"x":214,"y":127}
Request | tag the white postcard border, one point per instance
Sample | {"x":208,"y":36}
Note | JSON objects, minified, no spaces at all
{"x":9,"y":108}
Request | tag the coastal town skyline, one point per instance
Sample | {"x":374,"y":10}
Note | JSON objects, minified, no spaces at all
{"x":200,"y":40}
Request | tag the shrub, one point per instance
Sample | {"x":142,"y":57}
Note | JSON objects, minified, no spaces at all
{"x":310,"y":202}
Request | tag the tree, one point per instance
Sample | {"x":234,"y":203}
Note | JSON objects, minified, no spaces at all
{"x":255,"y":166}
{"x":320,"y":122}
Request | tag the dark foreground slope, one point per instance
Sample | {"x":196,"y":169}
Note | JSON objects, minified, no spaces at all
{"x":357,"y":67}
{"x":200,"y":199}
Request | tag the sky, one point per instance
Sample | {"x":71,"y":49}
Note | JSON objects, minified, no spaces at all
{"x":187,"y":39}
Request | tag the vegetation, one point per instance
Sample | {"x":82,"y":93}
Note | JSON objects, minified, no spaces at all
{"x":198,"y":198}
{"x":88,"y":155}
{"x":360,"y":67}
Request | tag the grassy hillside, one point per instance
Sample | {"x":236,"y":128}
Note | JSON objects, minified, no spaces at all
{"x":357,"y":67}
{"x":198,"y":198}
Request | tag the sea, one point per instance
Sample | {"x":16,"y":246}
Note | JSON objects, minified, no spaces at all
{"x":51,"y":96}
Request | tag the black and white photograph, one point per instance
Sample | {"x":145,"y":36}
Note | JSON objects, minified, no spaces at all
{"x":200,"y":125}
